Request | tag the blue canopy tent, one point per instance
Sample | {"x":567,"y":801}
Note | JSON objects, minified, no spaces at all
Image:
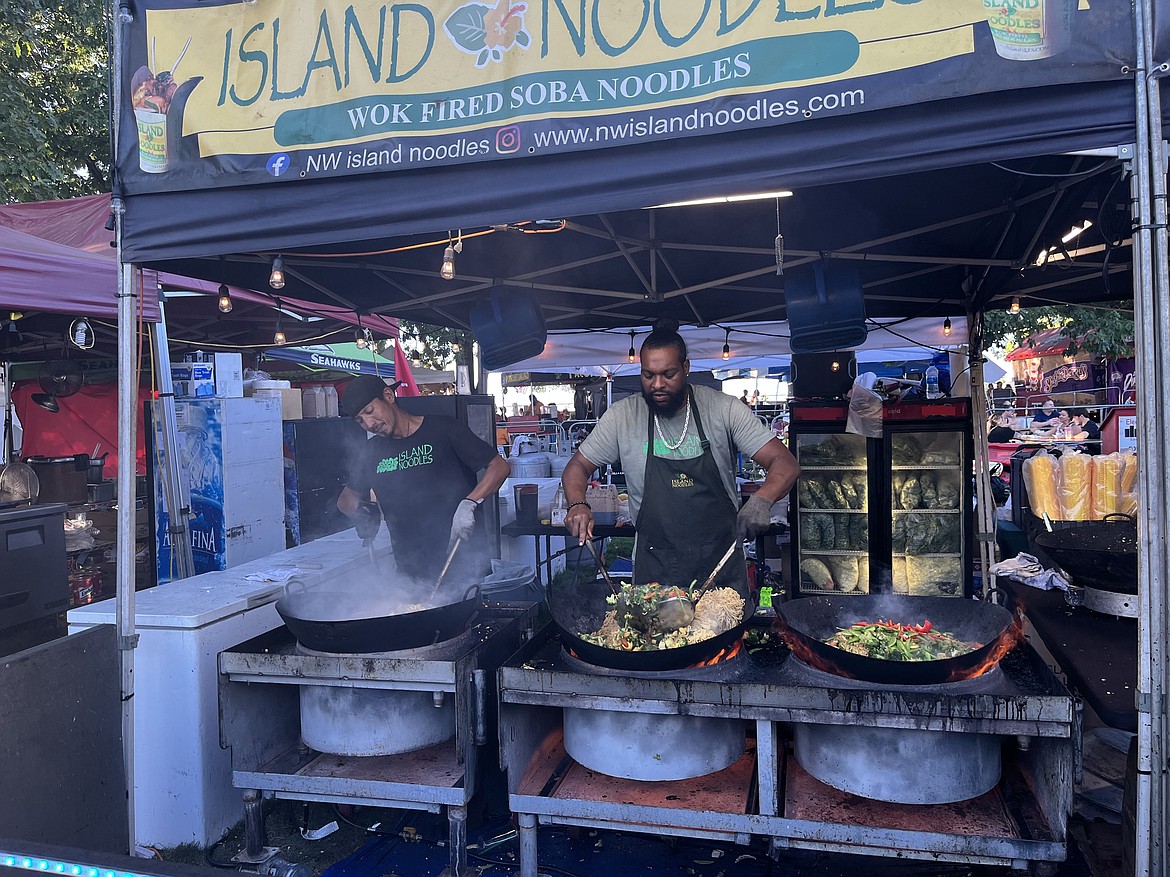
{"x":346,"y":357}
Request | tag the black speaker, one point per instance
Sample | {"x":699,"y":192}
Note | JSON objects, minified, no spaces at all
{"x":509,"y":327}
{"x":823,"y":375}
{"x":826,"y":307}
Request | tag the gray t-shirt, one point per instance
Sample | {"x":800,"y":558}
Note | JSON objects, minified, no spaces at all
{"x":620,"y":436}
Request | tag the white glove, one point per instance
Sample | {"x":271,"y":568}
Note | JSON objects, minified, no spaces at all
{"x":463,"y":522}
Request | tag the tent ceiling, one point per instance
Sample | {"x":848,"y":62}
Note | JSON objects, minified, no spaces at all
{"x":929,"y":243}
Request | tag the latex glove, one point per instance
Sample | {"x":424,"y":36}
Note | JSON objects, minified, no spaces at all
{"x":367,"y":520}
{"x":463,"y":522}
{"x":754,"y":518}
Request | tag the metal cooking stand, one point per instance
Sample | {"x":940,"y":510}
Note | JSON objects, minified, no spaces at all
{"x":260,"y":720}
{"x":766,"y":794}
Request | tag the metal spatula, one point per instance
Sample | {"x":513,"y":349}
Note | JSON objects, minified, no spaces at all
{"x":678,"y":612}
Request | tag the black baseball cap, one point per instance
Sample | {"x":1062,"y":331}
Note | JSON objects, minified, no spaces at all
{"x":362,"y":390}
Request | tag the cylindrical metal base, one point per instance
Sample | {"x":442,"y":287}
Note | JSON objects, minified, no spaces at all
{"x":373,"y":721}
{"x":637,"y":746}
{"x":900,"y":765}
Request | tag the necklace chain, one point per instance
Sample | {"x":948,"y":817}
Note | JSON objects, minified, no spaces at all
{"x":682,"y":437}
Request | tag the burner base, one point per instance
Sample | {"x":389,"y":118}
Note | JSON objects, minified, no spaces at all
{"x":640,"y":746}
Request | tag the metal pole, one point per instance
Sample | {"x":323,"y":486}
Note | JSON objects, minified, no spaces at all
{"x":176,"y":493}
{"x":127,"y":438}
{"x":1151,"y":331}
{"x":984,"y":501}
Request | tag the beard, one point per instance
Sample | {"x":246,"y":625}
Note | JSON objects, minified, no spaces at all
{"x":668,"y":407}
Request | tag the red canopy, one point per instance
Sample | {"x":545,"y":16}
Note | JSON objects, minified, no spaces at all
{"x":1050,"y":342}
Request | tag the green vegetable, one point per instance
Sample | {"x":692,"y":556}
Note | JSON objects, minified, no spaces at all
{"x":890,"y":641}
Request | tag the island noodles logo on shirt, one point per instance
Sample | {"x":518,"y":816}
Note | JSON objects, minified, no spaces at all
{"x":690,"y":448}
{"x":422,"y":455}
{"x":682,"y":480}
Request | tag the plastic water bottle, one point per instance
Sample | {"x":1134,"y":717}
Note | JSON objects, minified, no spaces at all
{"x":932,"y":383}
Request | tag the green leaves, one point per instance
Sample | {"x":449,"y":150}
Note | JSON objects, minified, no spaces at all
{"x":466,"y":28}
{"x":53,"y":98}
{"x":1099,"y":330}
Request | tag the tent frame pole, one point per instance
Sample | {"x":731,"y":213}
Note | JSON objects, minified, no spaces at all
{"x":1152,"y":332}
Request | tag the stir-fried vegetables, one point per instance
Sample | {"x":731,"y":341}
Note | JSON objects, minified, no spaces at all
{"x":891,"y":641}
{"x":719,"y":609}
{"x":644,"y":599}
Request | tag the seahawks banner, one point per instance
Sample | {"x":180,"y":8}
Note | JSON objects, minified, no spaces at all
{"x":281,"y":91}
{"x":344,"y":357}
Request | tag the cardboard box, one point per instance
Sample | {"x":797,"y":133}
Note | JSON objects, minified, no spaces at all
{"x":229,"y":374}
{"x":193,"y":380}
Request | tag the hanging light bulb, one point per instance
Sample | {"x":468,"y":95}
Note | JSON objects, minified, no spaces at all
{"x":1015,"y":308}
{"x":276,"y":276}
{"x":278,"y":337}
{"x":225,"y":299}
{"x":81,"y":334}
{"x":632,"y":357}
{"x":447,"y":272}
{"x":361,"y":337}
{"x":947,"y":327}
{"x":727,"y":346}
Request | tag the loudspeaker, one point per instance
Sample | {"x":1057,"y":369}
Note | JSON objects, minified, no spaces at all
{"x":826,"y":307}
{"x":823,"y":375}
{"x":509,"y":327}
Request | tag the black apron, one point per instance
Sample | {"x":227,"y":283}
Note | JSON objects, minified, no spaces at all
{"x":686,"y":521}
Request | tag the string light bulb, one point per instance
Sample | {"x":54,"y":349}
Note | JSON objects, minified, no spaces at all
{"x":632,"y":356}
{"x":276,"y":276}
{"x":727,"y":346}
{"x":447,"y":272}
{"x":81,"y":334}
{"x":225,"y":299}
{"x":1015,"y":307}
{"x":947,"y":327}
{"x":362,"y":337}
{"x":278,"y":337}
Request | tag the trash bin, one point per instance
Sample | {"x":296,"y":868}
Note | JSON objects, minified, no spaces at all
{"x":511,"y":582}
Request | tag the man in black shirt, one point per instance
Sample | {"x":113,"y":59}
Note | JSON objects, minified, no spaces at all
{"x":1086,"y":430}
{"x":423,"y":472}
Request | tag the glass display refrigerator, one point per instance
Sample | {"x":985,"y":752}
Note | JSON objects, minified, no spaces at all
{"x":889,"y":515}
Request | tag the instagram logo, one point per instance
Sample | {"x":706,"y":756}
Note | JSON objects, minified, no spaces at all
{"x":508,"y":139}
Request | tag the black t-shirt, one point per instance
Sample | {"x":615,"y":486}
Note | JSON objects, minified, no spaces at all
{"x":419,"y":482}
{"x":1001,"y":434}
{"x":1091,"y":430}
{"x":1042,"y":416}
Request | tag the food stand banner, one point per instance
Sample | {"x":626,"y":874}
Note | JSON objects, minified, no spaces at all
{"x":280,"y":91}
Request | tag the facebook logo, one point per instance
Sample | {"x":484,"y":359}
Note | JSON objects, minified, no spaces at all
{"x":278,"y":164}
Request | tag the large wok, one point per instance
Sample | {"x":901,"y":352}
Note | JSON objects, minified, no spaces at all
{"x":807,"y":622}
{"x":349,"y":623}
{"x":1097,"y":554}
{"x":579,"y":607}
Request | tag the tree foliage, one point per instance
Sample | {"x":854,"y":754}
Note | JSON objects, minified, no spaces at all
{"x":1100,"y":330}
{"x":54,"y":141}
{"x":434,"y":346}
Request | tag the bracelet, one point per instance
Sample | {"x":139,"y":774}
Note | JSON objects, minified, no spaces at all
{"x":573,"y":505}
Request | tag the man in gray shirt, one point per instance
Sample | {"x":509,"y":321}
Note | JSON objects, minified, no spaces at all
{"x":677,"y":445}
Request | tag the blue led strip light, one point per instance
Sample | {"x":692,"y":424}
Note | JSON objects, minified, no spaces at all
{"x":56,"y":866}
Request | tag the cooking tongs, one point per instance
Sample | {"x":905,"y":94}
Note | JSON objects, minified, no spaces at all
{"x":601,"y":566}
{"x":446,"y":566}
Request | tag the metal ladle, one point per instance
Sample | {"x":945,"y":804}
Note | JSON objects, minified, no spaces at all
{"x":676,"y":612}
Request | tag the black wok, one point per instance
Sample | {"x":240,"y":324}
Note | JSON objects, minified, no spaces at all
{"x":807,"y":622}
{"x":1097,"y":554}
{"x":579,"y":607}
{"x":348,"y":623}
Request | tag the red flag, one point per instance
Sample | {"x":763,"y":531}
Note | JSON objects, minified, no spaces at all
{"x":402,"y":372}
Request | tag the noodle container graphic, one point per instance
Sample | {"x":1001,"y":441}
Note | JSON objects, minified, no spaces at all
{"x":1024,"y":30}
{"x":152,"y":141}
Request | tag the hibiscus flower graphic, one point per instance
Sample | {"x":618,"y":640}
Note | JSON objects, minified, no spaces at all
{"x":488,"y":31}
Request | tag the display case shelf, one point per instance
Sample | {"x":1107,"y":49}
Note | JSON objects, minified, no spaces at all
{"x":813,"y":467}
{"x":815,"y":511}
{"x":832,"y":552}
{"x":914,"y":467}
{"x":924,"y":511}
